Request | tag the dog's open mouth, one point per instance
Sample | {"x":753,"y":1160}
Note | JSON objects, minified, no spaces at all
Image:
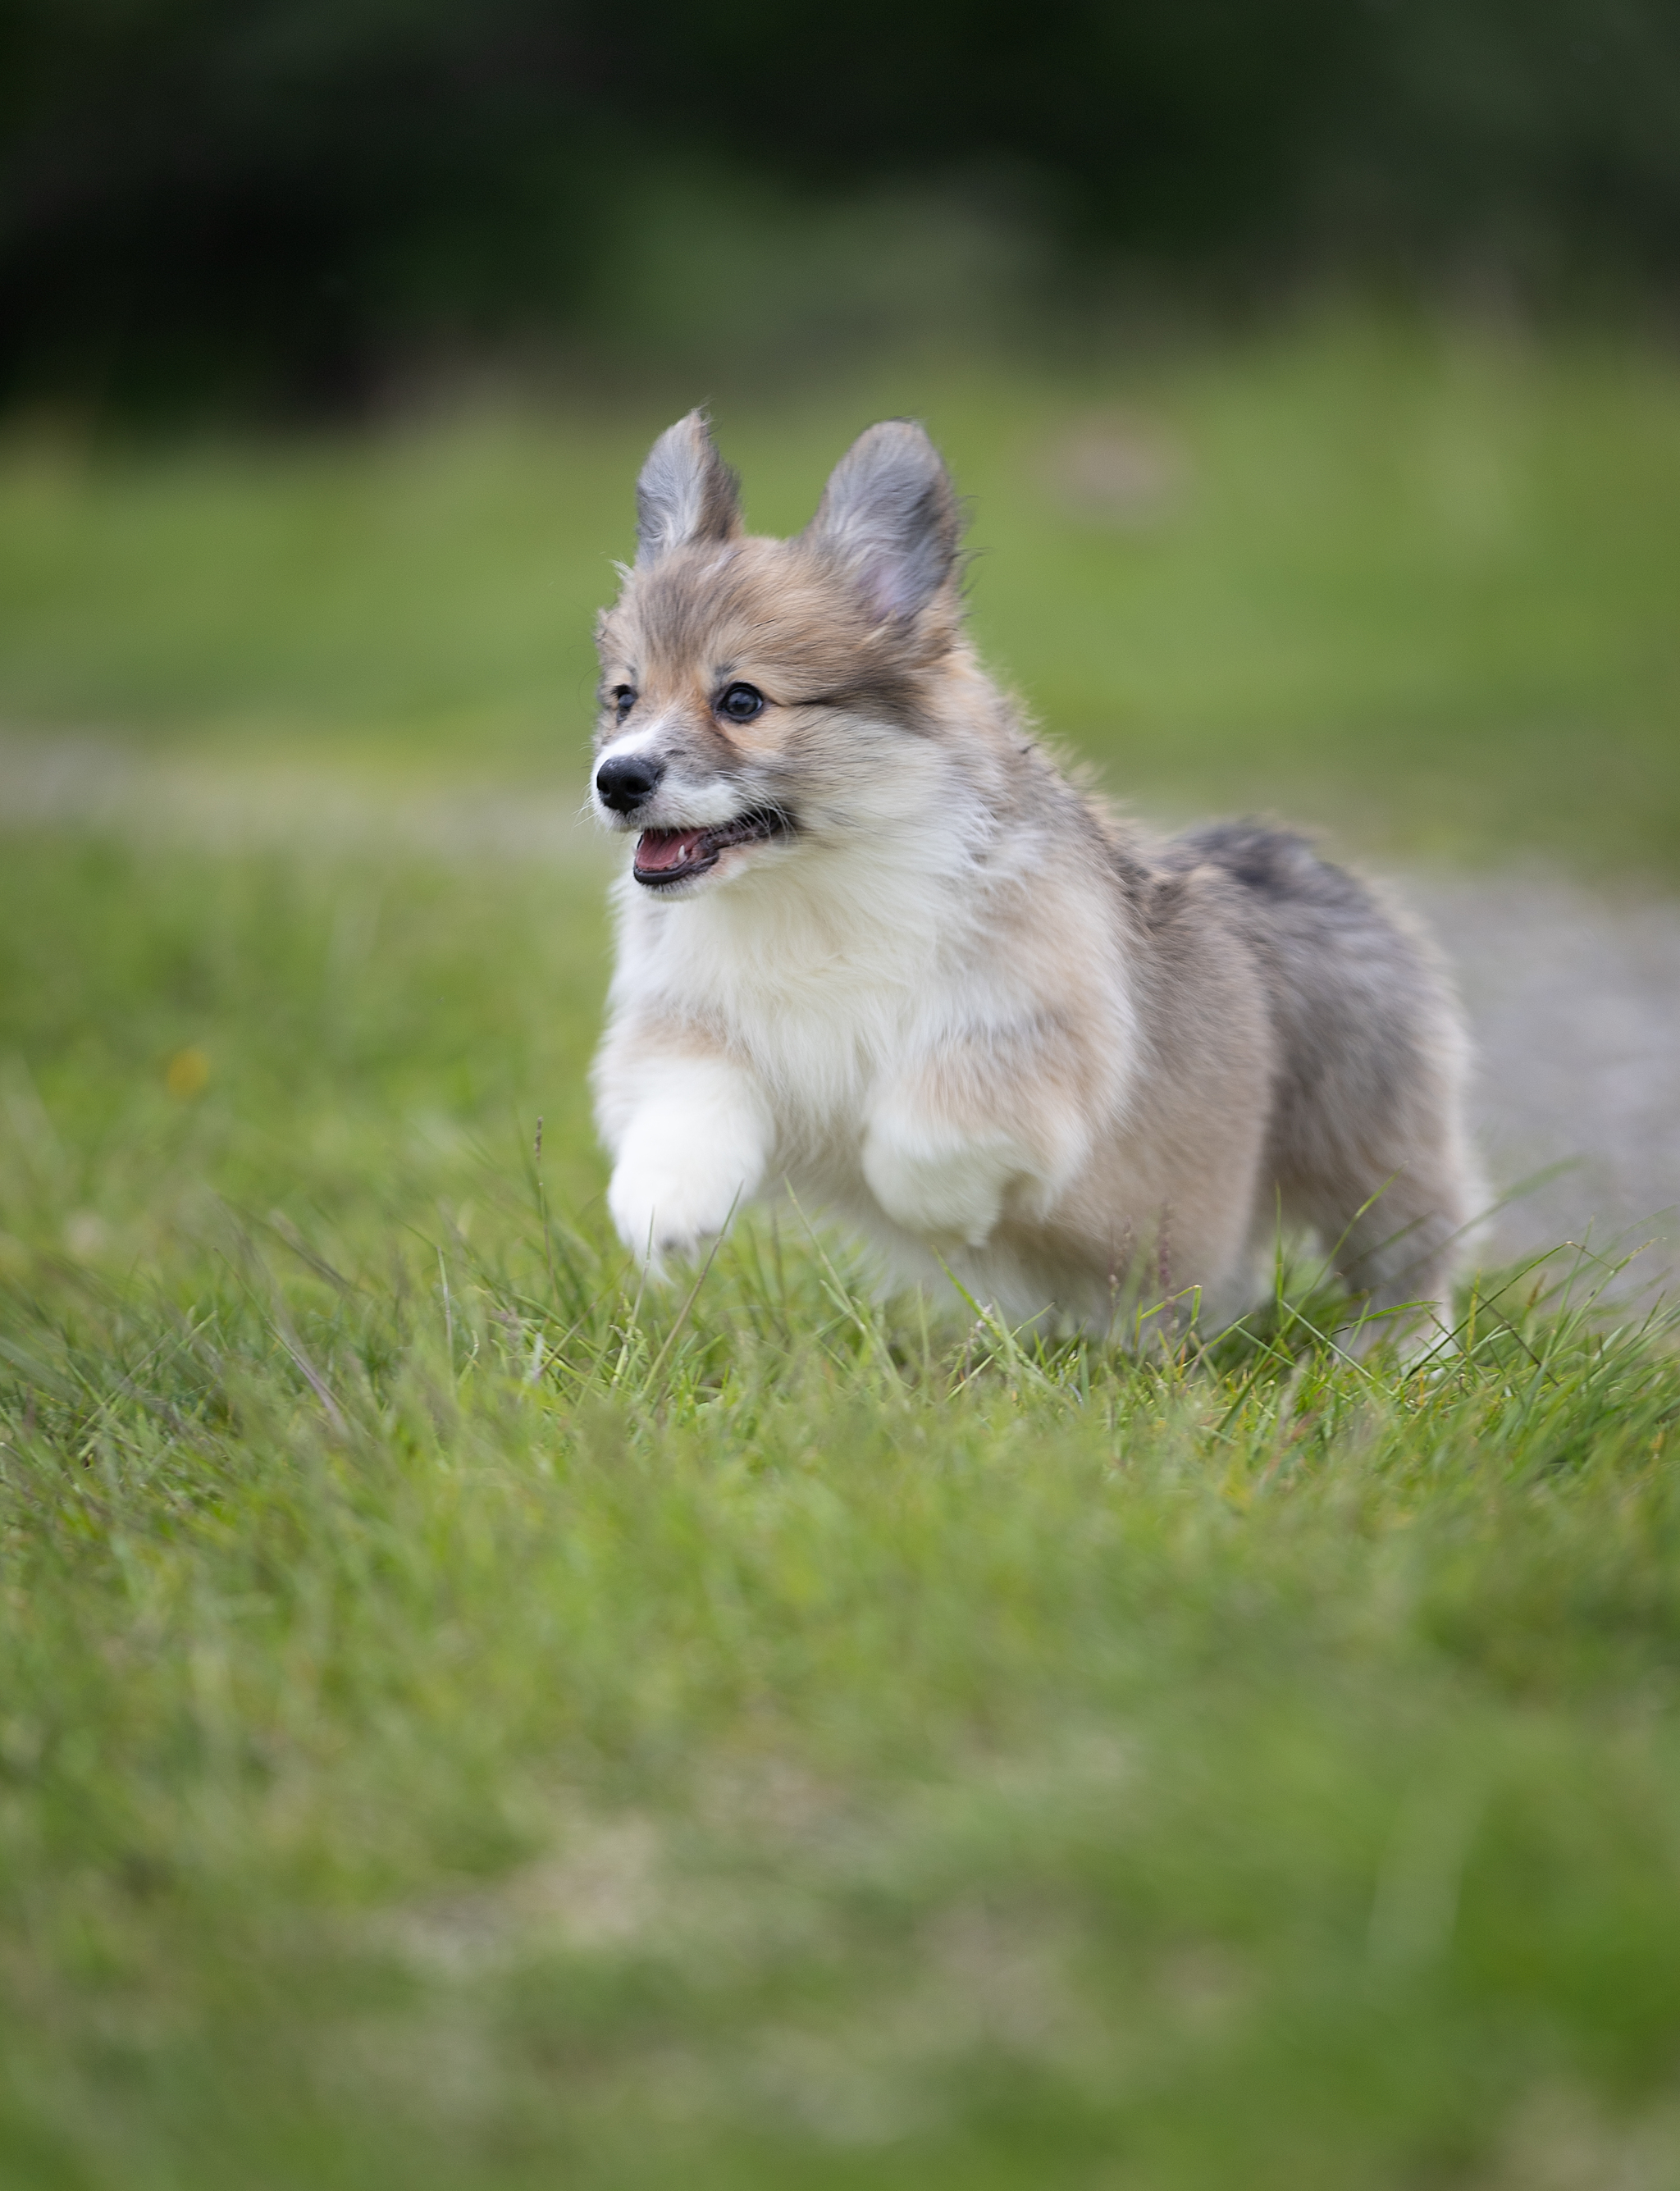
{"x":674,"y":855}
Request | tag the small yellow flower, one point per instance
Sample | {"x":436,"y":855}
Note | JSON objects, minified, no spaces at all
{"x":187,"y":1073}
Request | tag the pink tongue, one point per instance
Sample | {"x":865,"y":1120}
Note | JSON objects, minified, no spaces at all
{"x":660,"y":848}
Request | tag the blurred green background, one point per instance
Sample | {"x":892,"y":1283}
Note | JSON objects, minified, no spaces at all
{"x":1307,"y":366}
{"x":300,"y":205}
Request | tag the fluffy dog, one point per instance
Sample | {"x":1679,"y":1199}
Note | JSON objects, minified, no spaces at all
{"x":874,"y":944}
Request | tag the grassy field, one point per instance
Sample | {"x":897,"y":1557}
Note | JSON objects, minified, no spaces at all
{"x":466,"y":1723}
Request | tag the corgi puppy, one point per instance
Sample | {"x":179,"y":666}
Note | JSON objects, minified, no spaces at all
{"x":874,"y":945}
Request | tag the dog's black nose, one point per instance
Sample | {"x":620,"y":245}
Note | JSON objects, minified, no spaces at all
{"x":627,"y":782}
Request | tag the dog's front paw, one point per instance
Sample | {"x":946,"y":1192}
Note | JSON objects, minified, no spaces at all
{"x":693,"y":1150}
{"x":947,"y":1188}
{"x":666,"y":1213}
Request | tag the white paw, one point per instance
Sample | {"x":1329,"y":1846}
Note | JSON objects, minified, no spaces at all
{"x":686,"y":1162}
{"x":664,"y":1214}
{"x":939,"y":1187}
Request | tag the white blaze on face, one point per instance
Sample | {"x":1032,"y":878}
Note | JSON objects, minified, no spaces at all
{"x":635,"y":742}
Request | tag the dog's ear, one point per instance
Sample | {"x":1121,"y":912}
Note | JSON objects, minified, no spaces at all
{"x":891,"y":515}
{"x":686,"y":492}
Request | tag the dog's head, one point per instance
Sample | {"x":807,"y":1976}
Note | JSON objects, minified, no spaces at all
{"x":753,"y":691}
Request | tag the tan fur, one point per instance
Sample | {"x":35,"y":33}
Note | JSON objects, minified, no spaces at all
{"x":951,"y":1000}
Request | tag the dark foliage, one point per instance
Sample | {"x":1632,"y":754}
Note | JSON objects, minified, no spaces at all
{"x":287,"y":195}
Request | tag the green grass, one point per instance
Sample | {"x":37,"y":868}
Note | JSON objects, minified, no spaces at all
{"x":464,"y":1723}
{"x":1416,"y":583}
{"x":468,"y":1723}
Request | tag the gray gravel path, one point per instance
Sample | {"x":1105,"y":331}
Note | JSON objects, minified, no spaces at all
{"x":1574,"y":996}
{"x":1574,"y":999}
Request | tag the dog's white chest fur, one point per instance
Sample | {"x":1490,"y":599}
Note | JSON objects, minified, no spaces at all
{"x":827,"y":984}
{"x":820,"y":978}
{"x":849,"y":1006}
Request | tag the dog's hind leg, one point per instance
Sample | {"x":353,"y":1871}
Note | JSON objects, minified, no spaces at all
{"x":1368,"y":1144}
{"x":1394,"y":1242}
{"x":1369,"y":1149}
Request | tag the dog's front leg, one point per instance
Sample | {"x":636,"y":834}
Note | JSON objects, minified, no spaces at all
{"x":691,"y":1139}
{"x":942,"y":1182}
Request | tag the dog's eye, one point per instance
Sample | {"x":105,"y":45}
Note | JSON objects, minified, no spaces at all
{"x":740,"y":702}
{"x":623,"y":699}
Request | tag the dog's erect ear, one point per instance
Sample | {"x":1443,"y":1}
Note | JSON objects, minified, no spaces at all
{"x":686,"y":492}
{"x":889,"y":513}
